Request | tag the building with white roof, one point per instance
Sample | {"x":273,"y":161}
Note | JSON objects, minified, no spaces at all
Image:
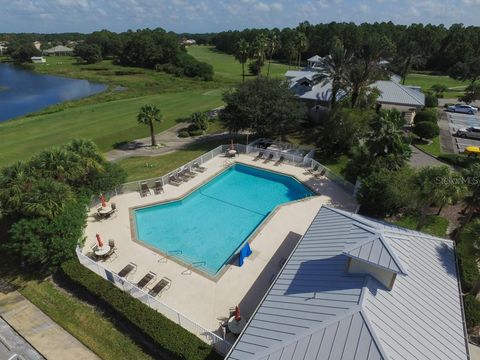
{"x":360,"y":289}
{"x":315,"y":92}
{"x":58,"y":50}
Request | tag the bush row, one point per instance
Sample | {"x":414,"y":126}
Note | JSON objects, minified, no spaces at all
{"x":458,"y":160}
{"x":171,"y":339}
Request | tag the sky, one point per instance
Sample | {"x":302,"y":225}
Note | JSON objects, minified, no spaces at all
{"x":199,"y":16}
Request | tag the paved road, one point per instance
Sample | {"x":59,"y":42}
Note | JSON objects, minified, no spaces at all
{"x":51,"y":340}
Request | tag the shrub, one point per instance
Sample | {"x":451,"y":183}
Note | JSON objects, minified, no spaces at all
{"x":469,"y":273}
{"x":196,"y":132}
{"x":431,"y":101}
{"x":183,"y":133}
{"x":426,"y":130}
{"x":171,"y":339}
{"x":458,"y":159}
{"x":254,"y":68}
{"x":472,"y":311}
{"x":426,"y":115}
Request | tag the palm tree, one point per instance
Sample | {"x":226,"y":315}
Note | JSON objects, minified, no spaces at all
{"x":47,"y":198}
{"x":273,"y":44}
{"x":334,"y":69}
{"x":15,"y":181}
{"x":258,"y":51}
{"x":242,"y":54}
{"x":148,"y":115}
{"x":59,"y":164}
{"x":290,"y":51}
{"x":301,"y":43}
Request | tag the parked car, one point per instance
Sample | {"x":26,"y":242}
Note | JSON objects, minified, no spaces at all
{"x":470,"y":132}
{"x":465,"y":109}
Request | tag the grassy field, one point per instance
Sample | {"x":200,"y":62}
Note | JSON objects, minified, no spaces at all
{"x":139,"y":168}
{"x":433,"y":148}
{"x":435,"y":225}
{"x":106,"y":123}
{"x":226,"y":67}
{"x":84,"y":322}
{"x":455,"y":87}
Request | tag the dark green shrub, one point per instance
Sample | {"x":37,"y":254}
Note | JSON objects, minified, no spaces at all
{"x":196,"y":132}
{"x":431,"y":101}
{"x":426,"y":130}
{"x":472,"y":311}
{"x":458,"y":159}
{"x":171,"y":339}
{"x":426,"y":115}
{"x":469,"y":273}
{"x":183,"y":134}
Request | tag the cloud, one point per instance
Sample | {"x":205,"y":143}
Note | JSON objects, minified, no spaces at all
{"x":218,"y":15}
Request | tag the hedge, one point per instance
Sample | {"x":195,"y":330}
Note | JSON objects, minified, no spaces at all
{"x":171,"y":339}
{"x":426,"y":115}
{"x":469,"y":273}
{"x":472,"y":311}
{"x":458,"y":159}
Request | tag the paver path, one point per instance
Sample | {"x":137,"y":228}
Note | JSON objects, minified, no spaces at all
{"x":169,"y":138}
{"x":51,"y":340}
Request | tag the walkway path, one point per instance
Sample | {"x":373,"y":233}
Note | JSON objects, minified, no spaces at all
{"x":51,"y":340}
{"x":421,"y":159}
{"x":168,"y":138}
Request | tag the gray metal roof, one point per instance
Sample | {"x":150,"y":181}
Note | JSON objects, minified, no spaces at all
{"x":392,"y":92}
{"x":316,"y":310}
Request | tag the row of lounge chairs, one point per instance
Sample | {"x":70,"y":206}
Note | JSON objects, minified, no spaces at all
{"x":176,"y":179}
{"x":267,"y":158}
{"x":316,"y":171}
{"x":186,"y":174}
{"x":149,"y":278}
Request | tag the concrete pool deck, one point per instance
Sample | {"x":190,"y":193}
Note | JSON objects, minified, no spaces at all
{"x":200,"y":299}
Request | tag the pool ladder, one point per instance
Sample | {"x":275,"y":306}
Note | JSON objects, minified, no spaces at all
{"x":164,"y":258}
{"x":227,"y":163}
{"x":192,"y":266}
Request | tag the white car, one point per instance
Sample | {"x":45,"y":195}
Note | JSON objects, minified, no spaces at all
{"x":470,"y":132}
{"x":465,"y":109}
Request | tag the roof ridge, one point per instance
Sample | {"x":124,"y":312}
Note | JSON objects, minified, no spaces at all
{"x":311,"y":331}
{"x":404,"y":89}
{"x":375,"y":338}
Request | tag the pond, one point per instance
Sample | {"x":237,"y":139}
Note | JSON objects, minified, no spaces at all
{"x":23,"y":91}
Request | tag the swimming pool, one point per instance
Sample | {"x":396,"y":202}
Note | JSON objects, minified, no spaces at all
{"x":209,"y":225}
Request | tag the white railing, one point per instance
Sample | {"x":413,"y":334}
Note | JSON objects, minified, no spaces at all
{"x":221,"y":345}
{"x":135,"y":186}
{"x":304,"y":161}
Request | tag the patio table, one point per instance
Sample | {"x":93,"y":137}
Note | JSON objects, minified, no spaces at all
{"x":102,"y":251}
{"x":235,"y":326}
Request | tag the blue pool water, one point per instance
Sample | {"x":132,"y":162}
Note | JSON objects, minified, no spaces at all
{"x":210,"y":224}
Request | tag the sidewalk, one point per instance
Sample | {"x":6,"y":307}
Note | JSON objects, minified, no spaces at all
{"x":51,"y":340}
{"x":168,"y":138}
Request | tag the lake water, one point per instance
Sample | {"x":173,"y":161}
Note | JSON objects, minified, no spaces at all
{"x":23,"y":91}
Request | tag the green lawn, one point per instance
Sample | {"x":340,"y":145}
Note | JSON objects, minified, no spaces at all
{"x":435,"y":225}
{"x":106,"y":123}
{"x":455,"y":87}
{"x":226,"y":67}
{"x":84,"y":322}
{"x":337,"y":165}
{"x":139,"y":168}
{"x":433,"y":148}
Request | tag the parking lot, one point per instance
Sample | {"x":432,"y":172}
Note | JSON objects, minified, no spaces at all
{"x":457,"y":121}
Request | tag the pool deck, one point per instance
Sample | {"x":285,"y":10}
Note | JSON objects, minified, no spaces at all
{"x":203,"y":300}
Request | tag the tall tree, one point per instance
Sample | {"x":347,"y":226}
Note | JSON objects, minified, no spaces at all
{"x":242,"y":54}
{"x":301,"y":43}
{"x":258,"y":52}
{"x":334,"y":69}
{"x":148,"y":115}
{"x":273,"y":44}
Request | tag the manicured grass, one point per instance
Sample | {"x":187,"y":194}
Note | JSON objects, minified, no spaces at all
{"x":337,"y":165}
{"x":106,"y":123}
{"x":226,"y":67}
{"x":433,"y":148}
{"x":141,"y":167}
{"x":455,"y":87}
{"x":435,"y":225}
{"x":84,"y":322}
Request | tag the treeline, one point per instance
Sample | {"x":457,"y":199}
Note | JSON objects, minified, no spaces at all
{"x":44,"y":202}
{"x":417,"y":46}
{"x":154,"y":49}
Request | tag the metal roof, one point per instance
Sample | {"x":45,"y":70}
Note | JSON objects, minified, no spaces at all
{"x":395,"y":93}
{"x":316,"y":310}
